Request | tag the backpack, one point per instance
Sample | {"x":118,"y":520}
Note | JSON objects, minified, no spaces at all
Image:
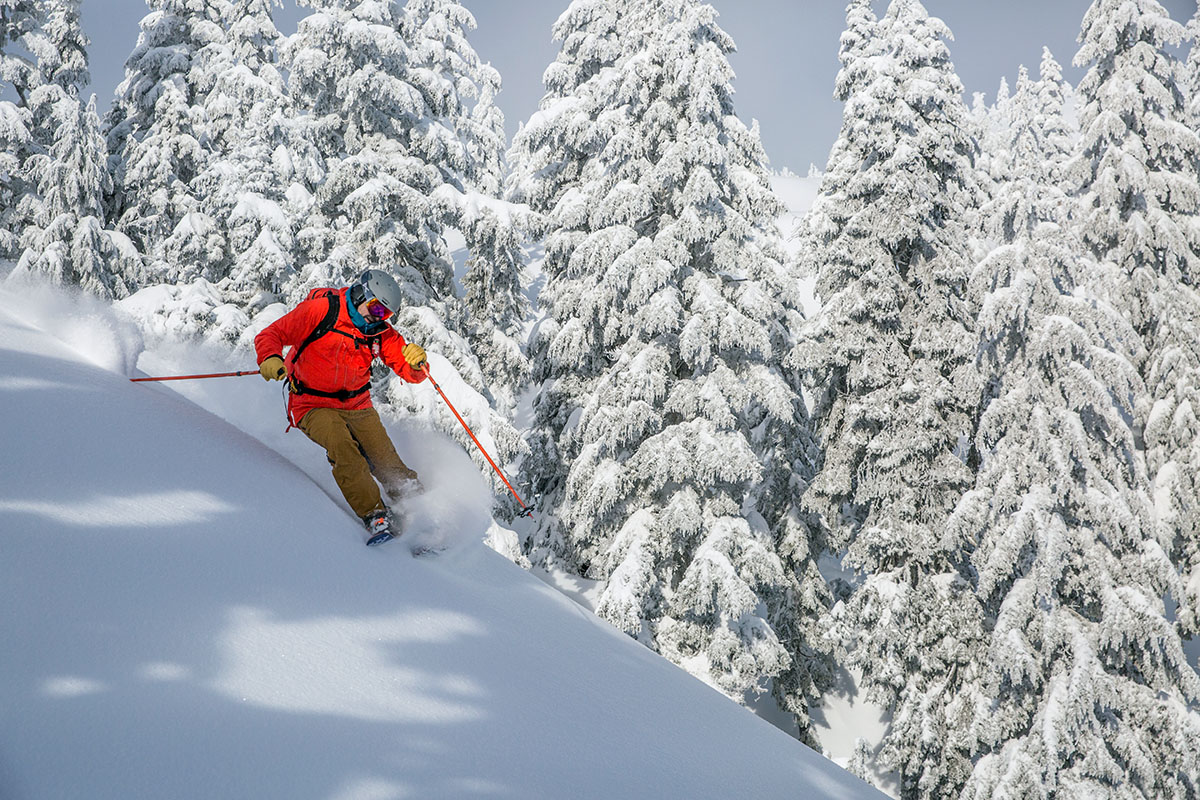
{"x":327,"y":322}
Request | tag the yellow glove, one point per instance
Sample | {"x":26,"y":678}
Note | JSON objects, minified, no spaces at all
{"x":414,"y":354}
{"x":272,"y":369}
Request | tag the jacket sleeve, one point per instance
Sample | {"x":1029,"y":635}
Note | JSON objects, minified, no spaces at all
{"x":391,"y":350}
{"x":289,"y":330}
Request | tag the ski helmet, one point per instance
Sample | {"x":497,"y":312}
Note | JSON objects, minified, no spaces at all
{"x":378,"y":285}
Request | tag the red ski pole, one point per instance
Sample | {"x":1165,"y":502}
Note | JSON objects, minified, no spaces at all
{"x":198,"y":377}
{"x":525,"y":510}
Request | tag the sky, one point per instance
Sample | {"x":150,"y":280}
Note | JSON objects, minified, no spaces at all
{"x":785,"y":63}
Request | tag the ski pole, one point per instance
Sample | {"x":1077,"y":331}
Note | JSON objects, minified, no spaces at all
{"x":198,"y":377}
{"x":525,"y":510}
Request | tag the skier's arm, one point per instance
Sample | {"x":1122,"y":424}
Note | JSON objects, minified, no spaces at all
{"x":391,"y":350}
{"x":288,"y":331}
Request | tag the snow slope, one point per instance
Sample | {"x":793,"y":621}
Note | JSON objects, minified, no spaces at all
{"x":185,"y":615}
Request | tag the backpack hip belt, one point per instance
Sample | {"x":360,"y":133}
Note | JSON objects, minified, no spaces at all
{"x":299,"y":388}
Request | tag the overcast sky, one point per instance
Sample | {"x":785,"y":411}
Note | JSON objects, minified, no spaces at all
{"x":785,"y":62}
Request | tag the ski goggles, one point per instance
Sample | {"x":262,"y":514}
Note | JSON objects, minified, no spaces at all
{"x":377,"y":309}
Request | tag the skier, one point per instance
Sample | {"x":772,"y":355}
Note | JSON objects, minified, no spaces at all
{"x":335,"y":336}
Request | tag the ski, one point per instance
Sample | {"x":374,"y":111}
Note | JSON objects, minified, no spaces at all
{"x":380,"y":538}
{"x":417,"y":549}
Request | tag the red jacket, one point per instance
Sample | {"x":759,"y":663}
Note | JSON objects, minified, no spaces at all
{"x":339,"y":361}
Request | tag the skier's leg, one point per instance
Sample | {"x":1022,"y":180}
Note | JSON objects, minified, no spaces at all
{"x":328,"y":428}
{"x":396,"y":476}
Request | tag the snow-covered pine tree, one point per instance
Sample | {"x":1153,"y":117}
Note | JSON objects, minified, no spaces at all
{"x":68,"y":244}
{"x":683,"y":445}
{"x":1083,"y":689}
{"x":20,"y":34}
{"x":20,"y":37}
{"x":351,"y":80}
{"x":1060,"y":134}
{"x":493,"y":301}
{"x":859,"y":45}
{"x":1192,"y":67}
{"x":461,"y":91}
{"x":15,"y":144}
{"x":992,"y":130}
{"x":555,"y":160}
{"x":1183,"y":422}
{"x":1137,"y":175}
{"x":315,"y":136}
{"x":244,"y":186}
{"x":157,"y":144}
{"x":1006,"y":215}
{"x":552,"y":148}
{"x":1000,"y":116}
{"x":64,"y":169}
{"x":716,"y":228}
{"x":889,"y":360}
{"x":351,"y":74}
{"x":1138,"y":156}
{"x":548,"y":158}
{"x":369,"y":105}
{"x":61,"y":50}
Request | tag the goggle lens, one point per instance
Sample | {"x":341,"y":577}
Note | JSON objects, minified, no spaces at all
{"x":377,"y":309}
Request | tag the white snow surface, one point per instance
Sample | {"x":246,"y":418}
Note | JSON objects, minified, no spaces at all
{"x":188,"y":612}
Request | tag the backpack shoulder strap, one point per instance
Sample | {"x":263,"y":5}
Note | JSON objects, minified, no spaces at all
{"x":325,"y":325}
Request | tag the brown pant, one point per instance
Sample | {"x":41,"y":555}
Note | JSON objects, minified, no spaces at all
{"x":357,"y":446}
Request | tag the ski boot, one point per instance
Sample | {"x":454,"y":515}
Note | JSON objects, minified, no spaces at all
{"x":379,"y":526}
